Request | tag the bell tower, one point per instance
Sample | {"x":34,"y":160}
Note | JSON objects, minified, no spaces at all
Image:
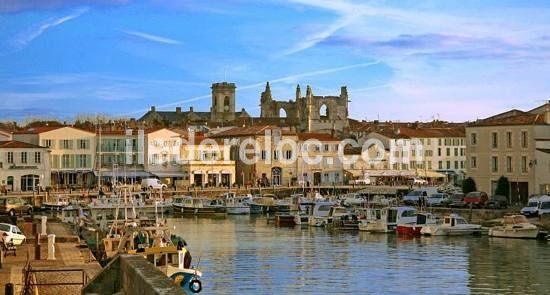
{"x":223,"y":102}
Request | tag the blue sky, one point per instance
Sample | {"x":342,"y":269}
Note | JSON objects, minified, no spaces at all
{"x":401,"y":60}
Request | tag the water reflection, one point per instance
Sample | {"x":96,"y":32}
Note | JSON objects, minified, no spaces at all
{"x":243,"y":255}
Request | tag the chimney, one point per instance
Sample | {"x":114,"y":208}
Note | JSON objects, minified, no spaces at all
{"x":153,"y":108}
{"x":191,"y":109}
{"x":178,"y":110}
{"x":547,"y":113}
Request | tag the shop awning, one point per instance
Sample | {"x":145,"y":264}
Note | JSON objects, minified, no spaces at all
{"x":169,"y":174}
{"x":124,"y":174}
{"x":430,"y":174}
{"x":382,"y":172}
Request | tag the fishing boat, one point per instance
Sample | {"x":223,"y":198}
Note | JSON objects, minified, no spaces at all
{"x":413,"y":229}
{"x":129,"y":203}
{"x":155,"y":243}
{"x":263,"y":204}
{"x":319,"y":213}
{"x":453,"y":225}
{"x":515,"y":226}
{"x":236,"y":205}
{"x":384,"y":220}
{"x":287,"y":220}
{"x":55,"y":204}
{"x":200,"y":206}
{"x":342,"y":218}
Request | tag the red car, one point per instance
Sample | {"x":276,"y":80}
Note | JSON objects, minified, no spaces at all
{"x":476,"y":199}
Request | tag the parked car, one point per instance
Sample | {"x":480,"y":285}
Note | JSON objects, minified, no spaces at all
{"x":14,"y":205}
{"x":419,"y":181}
{"x":497,"y":202}
{"x":475,"y":199}
{"x":11,"y":233}
{"x":544,"y":205}
{"x":413,"y":197}
{"x":532,"y":208}
{"x":152,"y":183}
{"x":455,"y":200}
{"x":435,"y":200}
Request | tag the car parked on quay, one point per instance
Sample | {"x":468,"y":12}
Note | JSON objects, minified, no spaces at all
{"x":11,"y":233}
{"x":13,"y":206}
{"x":497,"y":202}
{"x":455,"y":200}
{"x":475,"y":199}
{"x":532,"y":207}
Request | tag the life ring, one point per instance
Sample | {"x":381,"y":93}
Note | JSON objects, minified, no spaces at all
{"x":195,"y":285}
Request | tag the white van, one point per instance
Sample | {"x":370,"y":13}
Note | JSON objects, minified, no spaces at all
{"x":532,"y":207}
{"x":152,"y":183}
{"x":544,"y":205}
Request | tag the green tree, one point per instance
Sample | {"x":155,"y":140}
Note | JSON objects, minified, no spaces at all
{"x":503,"y":187}
{"x":469,"y":185}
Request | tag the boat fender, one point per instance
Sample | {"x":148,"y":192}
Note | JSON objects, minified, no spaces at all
{"x":195,"y":285}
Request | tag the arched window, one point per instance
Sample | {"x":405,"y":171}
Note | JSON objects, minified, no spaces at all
{"x":282,"y":113}
{"x":323,"y":111}
{"x":226,"y":104}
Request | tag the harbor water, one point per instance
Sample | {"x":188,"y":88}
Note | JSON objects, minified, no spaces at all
{"x":246,"y":255}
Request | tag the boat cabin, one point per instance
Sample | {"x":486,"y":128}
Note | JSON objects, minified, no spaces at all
{"x":454,"y":219}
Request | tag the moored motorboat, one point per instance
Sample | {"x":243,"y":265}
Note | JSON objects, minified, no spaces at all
{"x":515,"y":226}
{"x":319,"y":213}
{"x":341,"y":218}
{"x":56,"y":204}
{"x":384,"y":220}
{"x":414,"y":229}
{"x":453,"y":225}
{"x":236,"y":205}
{"x":200,"y":206}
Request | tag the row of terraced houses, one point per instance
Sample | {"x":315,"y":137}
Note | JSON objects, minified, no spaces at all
{"x":515,"y":144}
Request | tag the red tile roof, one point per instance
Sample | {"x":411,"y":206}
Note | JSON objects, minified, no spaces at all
{"x":42,"y":129}
{"x":318,"y":136}
{"x":248,"y":131}
{"x":433,"y":132}
{"x":38,"y":130}
{"x":522,"y":119}
{"x":390,"y":133}
{"x":18,"y":145}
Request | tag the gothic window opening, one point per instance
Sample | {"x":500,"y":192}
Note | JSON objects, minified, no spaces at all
{"x":323,"y":111}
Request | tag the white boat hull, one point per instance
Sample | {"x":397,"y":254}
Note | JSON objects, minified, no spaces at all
{"x":317,"y":221}
{"x":517,"y":233}
{"x":242,"y":210}
{"x":376,"y":227}
{"x":442,"y":230}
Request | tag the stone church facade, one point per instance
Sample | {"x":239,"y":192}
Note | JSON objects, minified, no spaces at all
{"x":309,"y":113}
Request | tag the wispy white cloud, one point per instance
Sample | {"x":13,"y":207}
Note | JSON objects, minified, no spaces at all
{"x":354,"y":16}
{"x":297,"y":77}
{"x":318,"y":37}
{"x":23,"y":39}
{"x":151,"y":37}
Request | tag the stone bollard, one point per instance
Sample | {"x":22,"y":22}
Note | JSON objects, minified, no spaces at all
{"x":37,"y":247}
{"x":44,"y":224}
{"x":51,"y":247}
